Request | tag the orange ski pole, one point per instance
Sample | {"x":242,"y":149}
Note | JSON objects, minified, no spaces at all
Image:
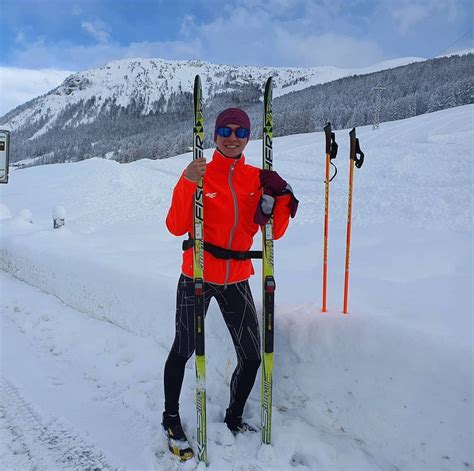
{"x":357,"y":159}
{"x":331,"y":152}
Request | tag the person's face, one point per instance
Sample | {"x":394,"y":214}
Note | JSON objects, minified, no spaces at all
{"x":231,"y":146}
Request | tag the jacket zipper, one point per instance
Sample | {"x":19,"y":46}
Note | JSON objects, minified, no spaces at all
{"x":236,"y":219}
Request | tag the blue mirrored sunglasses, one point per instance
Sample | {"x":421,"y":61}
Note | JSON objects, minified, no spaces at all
{"x":241,"y":133}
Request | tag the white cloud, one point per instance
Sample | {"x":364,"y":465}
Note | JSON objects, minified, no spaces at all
{"x":187,"y":24}
{"x":21,"y":85}
{"x":78,"y":57}
{"x":240,"y":36}
{"x":97,"y":29}
{"x":408,"y":14}
{"x":20,"y":37}
{"x":254,"y":37}
{"x":164,"y":50}
{"x":327,"y":49}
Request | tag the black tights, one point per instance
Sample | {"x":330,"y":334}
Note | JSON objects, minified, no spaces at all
{"x":238,"y":309}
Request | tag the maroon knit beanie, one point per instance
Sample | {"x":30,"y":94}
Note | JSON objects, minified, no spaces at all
{"x":232,"y":116}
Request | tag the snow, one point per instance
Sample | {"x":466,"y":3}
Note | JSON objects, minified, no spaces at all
{"x":4,"y":212}
{"x":59,"y":212}
{"x":462,"y":52}
{"x":88,"y":312}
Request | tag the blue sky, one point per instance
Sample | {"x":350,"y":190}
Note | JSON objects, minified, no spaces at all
{"x":73,"y":35}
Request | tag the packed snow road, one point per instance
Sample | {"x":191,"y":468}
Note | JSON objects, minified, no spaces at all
{"x":29,"y":442}
{"x":55,"y":413}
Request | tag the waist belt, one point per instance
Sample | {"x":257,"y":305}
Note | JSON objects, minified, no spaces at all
{"x":220,"y":252}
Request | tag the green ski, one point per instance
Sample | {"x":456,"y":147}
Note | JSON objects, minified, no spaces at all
{"x":198,"y":276}
{"x":268,"y":281}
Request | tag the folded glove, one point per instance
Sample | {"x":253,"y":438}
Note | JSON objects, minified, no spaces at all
{"x":273,"y":185}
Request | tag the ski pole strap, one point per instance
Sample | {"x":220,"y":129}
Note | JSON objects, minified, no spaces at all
{"x":335,"y":172}
{"x":220,"y":252}
{"x":333,"y":154}
{"x":358,"y":156}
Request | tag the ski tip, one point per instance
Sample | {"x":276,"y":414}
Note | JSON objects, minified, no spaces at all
{"x":269,"y":84}
{"x":197,"y":80}
{"x":352,"y":133}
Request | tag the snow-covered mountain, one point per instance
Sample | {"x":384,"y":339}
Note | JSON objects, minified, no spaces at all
{"x":142,"y":108}
{"x":152,"y":82}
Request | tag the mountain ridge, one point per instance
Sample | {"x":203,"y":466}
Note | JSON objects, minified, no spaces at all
{"x":159,"y":78}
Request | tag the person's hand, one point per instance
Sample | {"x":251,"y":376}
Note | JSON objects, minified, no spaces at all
{"x":264,"y":210}
{"x":272,"y":183}
{"x":196,"y":169}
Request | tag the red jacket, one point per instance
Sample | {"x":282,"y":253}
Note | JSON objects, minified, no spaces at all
{"x":231,"y":195}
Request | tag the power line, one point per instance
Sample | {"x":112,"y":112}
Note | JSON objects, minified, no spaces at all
{"x":452,"y":44}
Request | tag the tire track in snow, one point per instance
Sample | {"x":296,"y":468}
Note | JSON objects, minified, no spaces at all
{"x":29,"y":443}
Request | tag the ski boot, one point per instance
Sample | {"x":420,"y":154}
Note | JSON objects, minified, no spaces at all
{"x":236,"y":424}
{"x":177,"y":441}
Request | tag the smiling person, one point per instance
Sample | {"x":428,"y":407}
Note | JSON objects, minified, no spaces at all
{"x":238,"y":200}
